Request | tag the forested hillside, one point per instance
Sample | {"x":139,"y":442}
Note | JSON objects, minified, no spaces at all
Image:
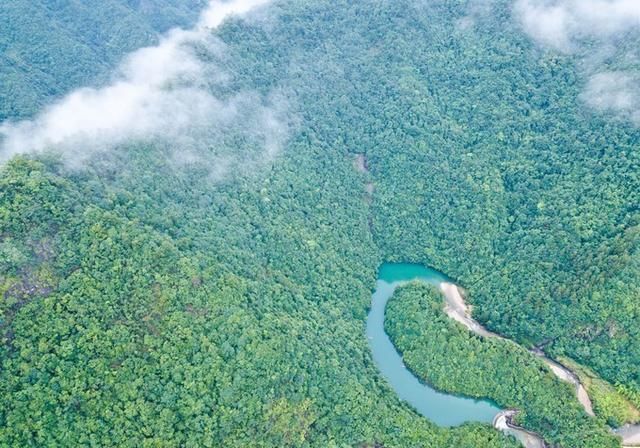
{"x":50,"y":47}
{"x":448,"y":356}
{"x":156,"y":297}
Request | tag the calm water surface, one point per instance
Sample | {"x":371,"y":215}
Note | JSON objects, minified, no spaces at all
{"x":442,"y":409}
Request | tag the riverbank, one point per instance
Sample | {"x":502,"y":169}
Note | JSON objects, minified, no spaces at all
{"x":504,"y":422}
{"x":441,"y":408}
{"x":457,"y":309}
{"x":451,"y":410}
{"x":630,"y":435}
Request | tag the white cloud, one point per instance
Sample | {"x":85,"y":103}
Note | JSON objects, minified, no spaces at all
{"x":546,"y":24}
{"x":591,"y":29}
{"x":157,"y":93}
{"x":615,"y":92}
{"x":562,"y":24}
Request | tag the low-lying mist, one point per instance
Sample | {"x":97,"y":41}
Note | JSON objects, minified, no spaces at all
{"x":601,"y":34}
{"x":162,"y":93}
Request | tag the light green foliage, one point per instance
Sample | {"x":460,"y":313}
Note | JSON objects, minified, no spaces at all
{"x":157,"y":307}
{"x":448,"y":356}
{"x":630,"y":394}
{"x":609,"y":402}
{"x":50,"y":47}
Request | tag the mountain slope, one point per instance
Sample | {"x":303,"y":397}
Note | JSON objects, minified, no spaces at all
{"x":147,"y":302}
{"x":48,"y":48}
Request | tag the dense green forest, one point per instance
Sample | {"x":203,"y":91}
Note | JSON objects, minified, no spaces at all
{"x":50,"y":47}
{"x":447,"y":355}
{"x":207,"y":337}
{"x":145,"y":303}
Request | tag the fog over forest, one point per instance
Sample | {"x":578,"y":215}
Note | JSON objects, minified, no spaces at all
{"x":320,"y":223}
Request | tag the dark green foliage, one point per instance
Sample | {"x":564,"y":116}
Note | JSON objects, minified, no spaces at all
{"x":448,"y":356}
{"x":238,"y":330}
{"x":146,"y":304}
{"x":50,"y":47}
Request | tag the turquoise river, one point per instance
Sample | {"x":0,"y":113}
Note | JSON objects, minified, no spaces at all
{"x":442,"y":409}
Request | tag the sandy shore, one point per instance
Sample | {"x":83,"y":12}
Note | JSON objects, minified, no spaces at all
{"x":630,"y":435}
{"x":568,"y":376}
{"x":457,"y":309}
{"x":528,"y":439}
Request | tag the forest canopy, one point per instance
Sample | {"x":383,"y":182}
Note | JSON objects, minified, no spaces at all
{"x":213,"y":290}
